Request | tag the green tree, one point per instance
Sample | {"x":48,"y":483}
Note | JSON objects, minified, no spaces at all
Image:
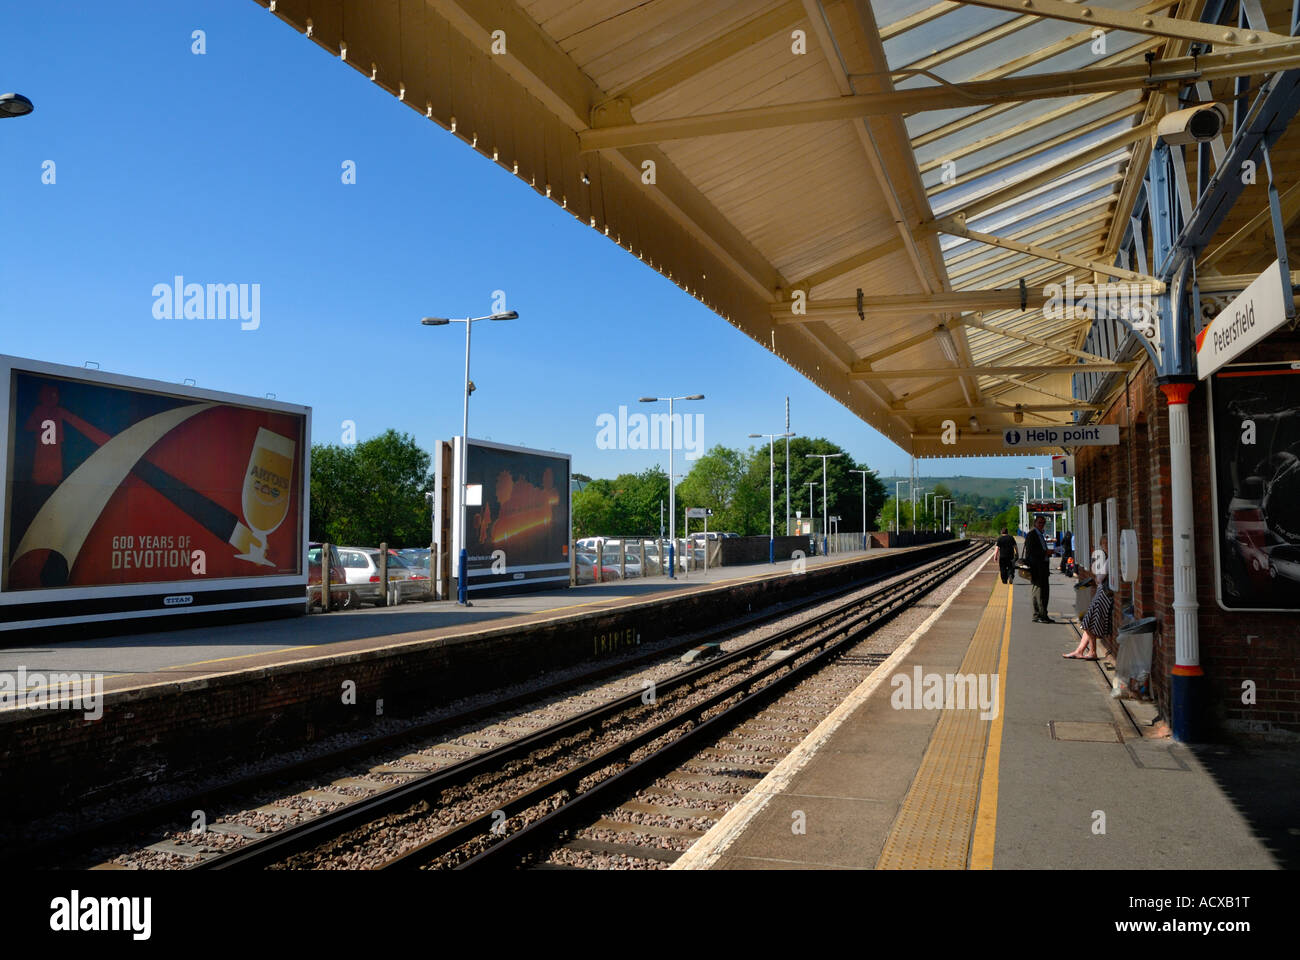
{"x":722,"y":480}
{"x":593,"y":510}
{"x":636,"y":503}
{"x":844,"y":498}
{"x":371,"y":493}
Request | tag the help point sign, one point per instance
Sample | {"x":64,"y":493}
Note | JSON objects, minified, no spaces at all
{"x":1255,"y":313}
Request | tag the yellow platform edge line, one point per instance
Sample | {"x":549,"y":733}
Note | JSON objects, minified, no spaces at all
{"x":935,"y":823}
{"x":986,"y":820}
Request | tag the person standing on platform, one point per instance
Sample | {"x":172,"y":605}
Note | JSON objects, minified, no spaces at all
{"x":1067,"y":551}
{"x":1006,"y":548}
{"x":1040,"y":570}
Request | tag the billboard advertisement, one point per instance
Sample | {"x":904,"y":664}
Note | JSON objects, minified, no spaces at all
{"x":518,"y":518}
{"x":1255,"y":437}
{"x":143,"y":496}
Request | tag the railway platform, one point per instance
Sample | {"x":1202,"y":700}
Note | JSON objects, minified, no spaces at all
{"x":168,"y":655}
{"x":1055,"y":773}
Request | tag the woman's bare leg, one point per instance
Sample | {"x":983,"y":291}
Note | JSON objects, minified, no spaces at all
{"x":1087,"y":648}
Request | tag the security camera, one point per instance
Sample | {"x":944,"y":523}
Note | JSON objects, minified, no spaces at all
{"x":1193,"y":125}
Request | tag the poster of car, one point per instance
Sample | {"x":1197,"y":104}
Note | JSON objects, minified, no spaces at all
{"x":1255,"y":421}
{"x":518,"y":518}
{"x":114,"y":484}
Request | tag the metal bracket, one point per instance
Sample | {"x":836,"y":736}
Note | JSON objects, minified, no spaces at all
{"x":861,"y":314}
{"x":612,"y":113}
{"x":1279,"y":234}
{"x":1024,"y":294}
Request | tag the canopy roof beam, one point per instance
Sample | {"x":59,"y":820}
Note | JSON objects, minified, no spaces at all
{"x":957,"y":227}
{"x":1044,"y":86}
{"x":859,"y":373}
{"x":1049,"y":173}
{"x":979,"y":324}
{"x":999,"y":408}
{"x":1132,"y":21}
{"x":711,"y":53}
{"x":909,"y":304}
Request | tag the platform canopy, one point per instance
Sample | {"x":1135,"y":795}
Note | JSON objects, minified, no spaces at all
{"x":881,"y":193}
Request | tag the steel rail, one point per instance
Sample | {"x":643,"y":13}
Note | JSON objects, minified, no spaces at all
{"x":299,"y":837}
{"x":530,"y":836}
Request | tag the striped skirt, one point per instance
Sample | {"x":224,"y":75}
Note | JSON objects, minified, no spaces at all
{"x":1097,"y":620}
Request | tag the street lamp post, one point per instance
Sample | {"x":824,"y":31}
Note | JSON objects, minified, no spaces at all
{"x":462,"y":579}
{"x":672,"y":487}
{"x":812,"y":508}
{"x":1041,"y":485}
{"x":897,"y":500}
{"x":825,"y":509}
{"x":864,"y":506}
{"x":771,"y":490}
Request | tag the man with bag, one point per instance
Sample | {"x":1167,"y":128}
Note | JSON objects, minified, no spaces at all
{"x":1036,"y":555}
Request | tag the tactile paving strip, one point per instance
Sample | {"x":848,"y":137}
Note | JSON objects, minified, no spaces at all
{"x":933,"y":828}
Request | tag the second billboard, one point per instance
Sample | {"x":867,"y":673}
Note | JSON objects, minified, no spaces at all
{"x":518,"y":518}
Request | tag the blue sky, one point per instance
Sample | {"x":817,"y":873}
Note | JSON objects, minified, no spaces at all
{"x":226,"y":168}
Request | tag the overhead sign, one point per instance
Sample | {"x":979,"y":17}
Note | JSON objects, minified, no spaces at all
{"x":1255,"y":313}
{"x":1045,"y":506}
{"x":1097,"y":435}
{"x":1063,"y":466}
{"x":698,"y":513}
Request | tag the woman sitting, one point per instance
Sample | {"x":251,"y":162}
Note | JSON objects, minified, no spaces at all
{"x":1096,"y":622}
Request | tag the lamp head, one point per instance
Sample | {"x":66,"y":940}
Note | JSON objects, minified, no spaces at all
{"x":435,"y":321}
{"x":649,"y":399}
{"x":509,"y":315}
{"x":14,"y":105}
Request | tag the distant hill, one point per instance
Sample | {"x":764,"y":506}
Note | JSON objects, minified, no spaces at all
{"x":991,"y":488}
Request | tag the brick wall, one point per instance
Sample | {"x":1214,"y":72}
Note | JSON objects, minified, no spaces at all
{"x":1235,"y":646}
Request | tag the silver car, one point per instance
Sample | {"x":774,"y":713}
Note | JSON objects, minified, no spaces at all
{"x":361,"y":564}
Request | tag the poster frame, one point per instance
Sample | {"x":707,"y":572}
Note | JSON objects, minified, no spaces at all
{"x":58,"y":606}
{"x":1215,"y":544}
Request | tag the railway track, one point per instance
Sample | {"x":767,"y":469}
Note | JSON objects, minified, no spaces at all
{"x":162,"y":817}
{"x":504,"y":805}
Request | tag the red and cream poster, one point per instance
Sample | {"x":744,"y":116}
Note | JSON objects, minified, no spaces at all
{"x":108,"y":485}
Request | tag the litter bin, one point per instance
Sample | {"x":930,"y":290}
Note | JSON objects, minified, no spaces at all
{"x":1133,"y":662}
{"x":1083,"y":591}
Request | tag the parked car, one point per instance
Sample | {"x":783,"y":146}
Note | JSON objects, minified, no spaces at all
{"x":342,"y":596}
{"x":631,"y":561}
{"x":362,"y":573}
{"x":418,"y":559}
{"x":362,"y":567}
{"x":586,"y":568}
{"x":402,"y":580}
